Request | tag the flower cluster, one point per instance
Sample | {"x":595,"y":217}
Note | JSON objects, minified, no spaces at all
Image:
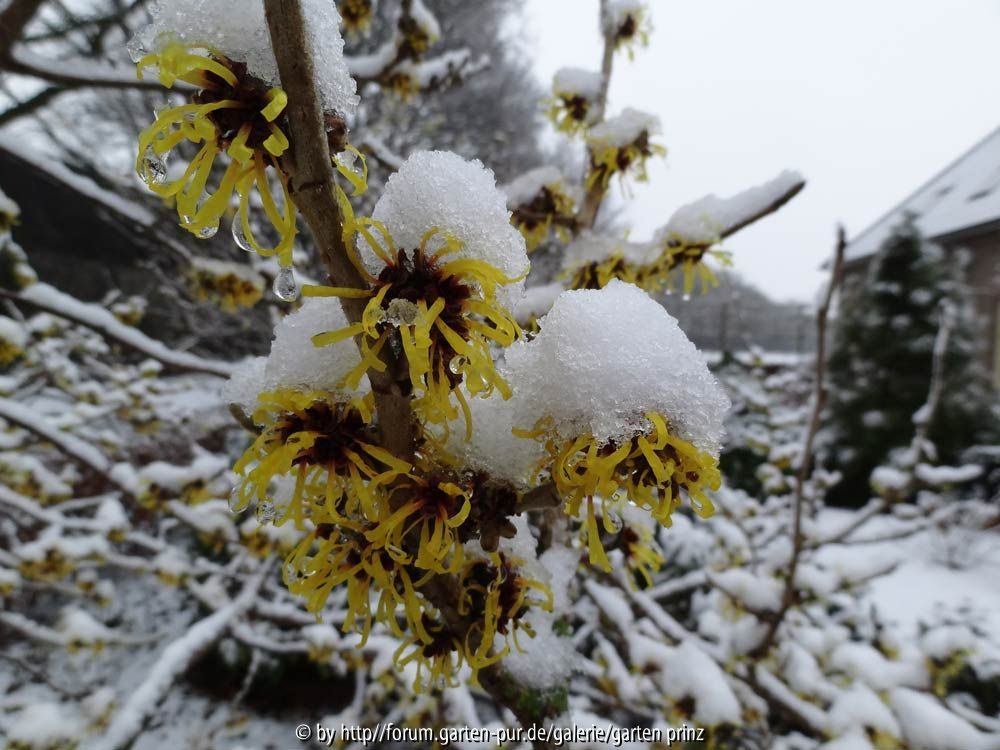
{"x":541,"y":200}
{"x":622,"y":144}
{"x":627,"y":23}
{"x":228,"y":285}
{"x":575,"y":93}
{"x":234,"y":113}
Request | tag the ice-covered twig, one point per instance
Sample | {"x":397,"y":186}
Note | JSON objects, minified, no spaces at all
{"x":176,"y":658}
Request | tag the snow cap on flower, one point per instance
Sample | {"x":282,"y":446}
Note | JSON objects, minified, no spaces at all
{"x":590,"y":247}
{"x":295,"y":362}
{"x":624,"y":128}
{"x":238,"y":30}
{"x":493,"y":447}
{"x":579,"y":82}
{"x":606,"y":358}
{"x":441,"y":190}
{"x":524,"y":188}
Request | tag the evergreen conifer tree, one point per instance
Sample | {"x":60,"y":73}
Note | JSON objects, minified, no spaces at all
{"x":880,"y":363}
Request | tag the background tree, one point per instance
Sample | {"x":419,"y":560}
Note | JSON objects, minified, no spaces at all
{"x":880,"y":366}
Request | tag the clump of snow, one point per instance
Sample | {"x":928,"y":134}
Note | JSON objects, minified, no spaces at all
{"x":10,"y":580}
{"x":493,"y":447}
{"x":238,"y":30}
{"x":591,"y":247}
{"x":711,"y":218}
{"x":578,"y":82}
{"x":245,"y":384}
{"x":222,"y":268}
{"x":759,"y":594}
{"x":441,"y":190}
{"x":111,"y":516}
{"x":548,"y":660}
{"x":79,"y":628}
{"x":623,"y":129}
{"x":523,"y":189}
{"x":8,"y":207}
{"x":174,"y":478}
{"x":12,"y":333}
{"x":860,"y":707}
{"x":537,"y":301}
{"x":295,"y":362}
{"x":617,"y":12}
{"x":45,"y":726}
{"x":605,"y":358}
{"x":927,"y":723}
{"x":947,"y":476}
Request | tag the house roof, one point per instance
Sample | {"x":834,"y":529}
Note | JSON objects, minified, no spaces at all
{"x":962,"y":196}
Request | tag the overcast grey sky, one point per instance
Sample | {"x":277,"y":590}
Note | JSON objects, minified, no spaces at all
{"x":867,"y":98}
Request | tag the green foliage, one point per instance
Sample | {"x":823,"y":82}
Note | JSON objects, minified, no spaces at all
{"x":881,"y":360}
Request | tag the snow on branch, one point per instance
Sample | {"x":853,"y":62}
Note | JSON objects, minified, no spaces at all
{"x":175,"y":659}
{"x":49,"y":299}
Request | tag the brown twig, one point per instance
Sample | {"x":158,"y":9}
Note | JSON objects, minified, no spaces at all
{"x":587,"y":216}
{"x":315,"y":190}
{"x":805,"y":462}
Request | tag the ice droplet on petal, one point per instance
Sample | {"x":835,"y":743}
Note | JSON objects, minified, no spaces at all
{"x":236,"y":503}
{"x":266,"y":511}
{"x":284,"y":285}
{"x":154,"y":167}
{"x":135,"y":49}
{"x":239,"y":236}
{"x":208,"y":232}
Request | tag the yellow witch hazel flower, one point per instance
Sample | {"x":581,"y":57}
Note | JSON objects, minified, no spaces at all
{"x":540,"y":200}
{"x":357,"y":15}
{"x":444,"y":267}
{"x":694,"y":230}
{"x":626,"y":407}
{"x":228,"y":285}
{"x":592,"y":260}
{"x":13,"y":340}
{"x":622,"y":145}
{"x":575,"y":93}
{"x":627,"y":23}
{"x":222,"y":50}
{"x":231,"y":113}
{"x":327,"y":447}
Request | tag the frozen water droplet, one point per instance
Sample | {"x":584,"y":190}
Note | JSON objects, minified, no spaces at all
{"x":135,"y":49}
{"x":456,"y":365}
{"x":284,"y":285}
{"x":239,"y":236}
{"x":208,"y":232}
{"x":236,"y":503}
{"x":266,"y":511}
{"x":154,"y":168}
{"x":612,"y":521}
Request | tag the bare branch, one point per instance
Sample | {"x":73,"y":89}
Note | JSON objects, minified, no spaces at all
{"x":806,"y":459}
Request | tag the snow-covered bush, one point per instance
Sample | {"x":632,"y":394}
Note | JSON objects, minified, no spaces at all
{"x":478,"y":499}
